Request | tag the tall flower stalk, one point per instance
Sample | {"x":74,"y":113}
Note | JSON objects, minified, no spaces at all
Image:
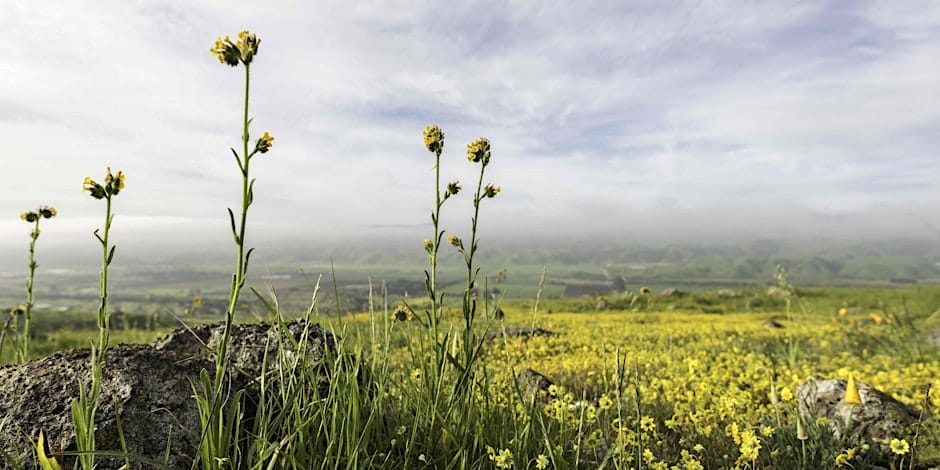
{"x":434,"y":142}
{"x":479,"y":152}
{"x":83,"y":408}
{"x":33,"y":217}
{"x":218,"y":447}
{"x":231,"y":53}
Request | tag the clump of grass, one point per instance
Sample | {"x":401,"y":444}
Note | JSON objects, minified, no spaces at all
{"x":83,"y":408}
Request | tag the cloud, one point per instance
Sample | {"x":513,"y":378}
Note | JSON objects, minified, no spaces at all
{"x":725,"y":108}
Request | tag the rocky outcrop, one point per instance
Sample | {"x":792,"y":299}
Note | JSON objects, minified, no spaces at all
{"x":877,"y":420}
{"x":146,"y":392}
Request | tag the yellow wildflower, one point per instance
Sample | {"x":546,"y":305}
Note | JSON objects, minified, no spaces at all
{"x":47,"y":212}
{"x":428,"y":245}
{"x":899,"y":446}
{"x":95,"y":189}
{"x":434,"y":138}
{"x":503,"y":459}
{"x":29,"y":216}
{"x":18,"y":310}
{"x":845,"y":458}
{"x":491,"y":190}
{"x":231,"y":53}
{"x":264,"y":143}
{"x":541,"y":462}
{"x":401,"y":313}
{"x":852,"y":396}
{"x":479,"y":151}
{"x":767,"y":431}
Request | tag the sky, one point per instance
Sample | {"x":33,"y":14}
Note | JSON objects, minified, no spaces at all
{"x":641,"y":119}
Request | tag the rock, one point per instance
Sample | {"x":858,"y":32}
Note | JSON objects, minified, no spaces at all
{"x":149,"y":388}
{"x":248,"y":343}
{"x":877,"y":420}
{"x":933,"y":336}
{"x":533,"y":383}
{"x":672,"y":292}
{"x":151,"y":391}
{"x":779,"y":292}
{"x":518,"y":332}
{"x":773,"y":324}
{"x":728,"y":293}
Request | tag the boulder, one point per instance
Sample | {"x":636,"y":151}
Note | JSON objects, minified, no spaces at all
{"x":877,"y":420}
{"x":518,"y":332}
{"x":533,"y":383}
{"x":728,"y":293}
{"x":147,"y":390}
{"x":671,"y":292}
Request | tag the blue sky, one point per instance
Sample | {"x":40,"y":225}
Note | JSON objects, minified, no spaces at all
{"x":645,"y":118}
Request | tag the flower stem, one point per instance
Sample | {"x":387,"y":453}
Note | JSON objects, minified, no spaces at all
{"x":238,"y":280}
{"x":29,"y":292}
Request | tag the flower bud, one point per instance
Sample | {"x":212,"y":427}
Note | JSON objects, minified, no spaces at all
{"x":491,"y":190}
{"x":264,"y":143}
{"x":95,"y":189}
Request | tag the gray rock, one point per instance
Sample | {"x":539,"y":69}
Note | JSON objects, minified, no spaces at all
{"x":151,"y":391}
{"x":518,"y":332}
{"x":148,"y":388}
{"x":773,"y":324}
{"x":728,"y":293}
{"x":778,"y":292}
{"x":672,"y":292}
{"x":533,"y":383}
{"x":249,"y":343}
{"x":877,"y":420}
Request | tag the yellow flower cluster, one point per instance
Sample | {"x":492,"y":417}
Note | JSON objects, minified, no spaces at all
{"x":113,"y":184}
{"x":241,"y":51}
{"x":45,"y":212}
{"x":434,"y":138}
{"x":479,"y":151}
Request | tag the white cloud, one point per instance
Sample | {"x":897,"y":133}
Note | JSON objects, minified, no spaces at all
{"x":595,"y":104}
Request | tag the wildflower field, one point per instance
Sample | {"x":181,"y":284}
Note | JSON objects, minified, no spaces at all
{"x":456,"y":379}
